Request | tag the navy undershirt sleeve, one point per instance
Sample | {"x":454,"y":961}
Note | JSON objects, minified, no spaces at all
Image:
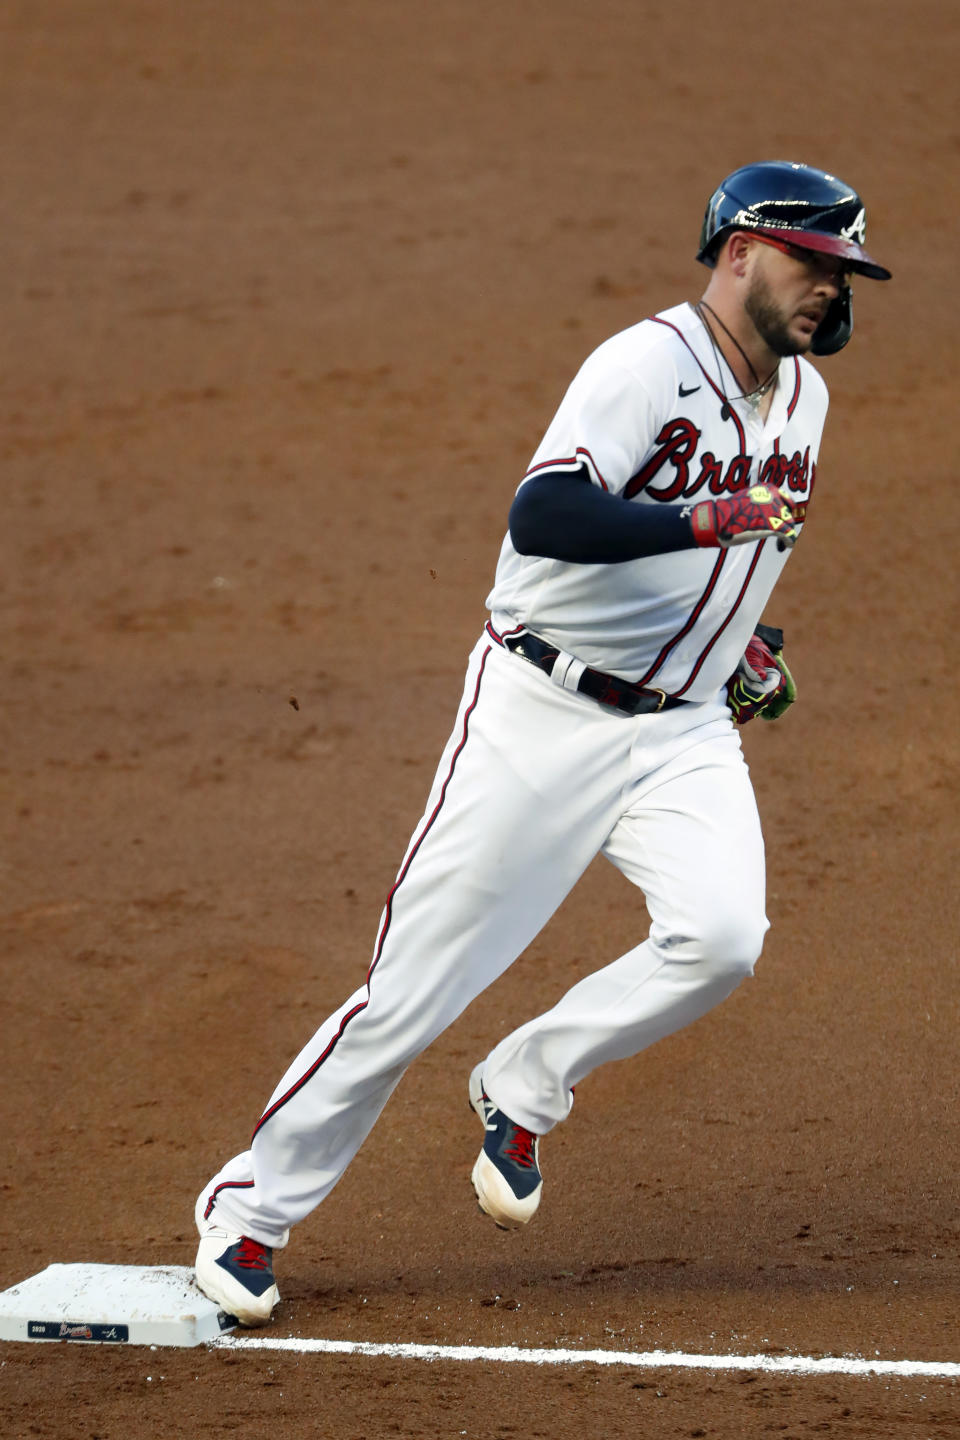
{"x":559,"y":514}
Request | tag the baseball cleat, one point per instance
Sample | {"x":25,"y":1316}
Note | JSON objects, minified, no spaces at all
{"x":235,"y":1271}
{"x":507,"y":1175}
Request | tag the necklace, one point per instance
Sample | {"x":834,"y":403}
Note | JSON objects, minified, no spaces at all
{"x":762,"y":387}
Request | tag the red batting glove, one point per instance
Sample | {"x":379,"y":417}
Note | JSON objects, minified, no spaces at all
{"x":753,"y":514}
{"x":760,"y":685}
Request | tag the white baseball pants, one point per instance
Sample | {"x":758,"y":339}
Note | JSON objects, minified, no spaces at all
{"x":534,"y":782}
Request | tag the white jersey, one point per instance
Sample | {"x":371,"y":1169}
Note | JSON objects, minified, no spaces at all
{"x":646,"y":415}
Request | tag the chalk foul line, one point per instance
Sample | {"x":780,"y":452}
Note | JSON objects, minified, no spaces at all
{"x":642,"y":1360}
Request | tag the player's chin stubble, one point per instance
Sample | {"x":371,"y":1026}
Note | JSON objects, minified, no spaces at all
{"x":769,"y":321}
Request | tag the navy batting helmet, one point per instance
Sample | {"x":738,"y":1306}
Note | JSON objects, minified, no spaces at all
{"x":803,"y":207}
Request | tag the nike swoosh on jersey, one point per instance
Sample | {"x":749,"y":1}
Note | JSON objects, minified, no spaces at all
{"x":691,"y":391}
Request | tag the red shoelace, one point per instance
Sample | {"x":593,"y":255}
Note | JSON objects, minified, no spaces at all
{"x":520,"y":1148}
{"x":251,"y":1254}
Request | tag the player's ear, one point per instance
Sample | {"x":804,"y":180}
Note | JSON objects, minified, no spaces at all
{"x":738,"y":249}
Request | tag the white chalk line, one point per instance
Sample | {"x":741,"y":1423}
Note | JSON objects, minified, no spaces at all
{"x":641,"y":1360}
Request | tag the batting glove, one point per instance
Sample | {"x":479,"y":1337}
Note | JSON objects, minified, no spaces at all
{"x":761,"y":684}
{"x":753,"y":514}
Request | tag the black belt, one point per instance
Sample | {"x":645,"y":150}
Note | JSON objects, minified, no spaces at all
{"x":606,"y":689}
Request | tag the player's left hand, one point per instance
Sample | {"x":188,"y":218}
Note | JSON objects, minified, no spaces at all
{"x":761,"y":684}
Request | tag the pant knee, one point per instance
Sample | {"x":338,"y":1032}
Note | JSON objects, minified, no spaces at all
{"x":725,"y":948}
{"x":743,"y":943}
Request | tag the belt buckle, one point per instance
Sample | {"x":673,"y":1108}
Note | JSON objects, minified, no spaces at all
{"x":663,"y":698}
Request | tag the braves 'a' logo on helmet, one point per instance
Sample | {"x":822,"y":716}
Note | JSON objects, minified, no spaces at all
{"x":857,"y":229}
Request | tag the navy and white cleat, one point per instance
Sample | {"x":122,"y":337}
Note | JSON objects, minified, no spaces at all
{"x":235,"y":1271}
{"x":507,"y":1175}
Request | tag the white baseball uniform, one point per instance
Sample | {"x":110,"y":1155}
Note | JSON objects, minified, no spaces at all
{"x":537,"y":779}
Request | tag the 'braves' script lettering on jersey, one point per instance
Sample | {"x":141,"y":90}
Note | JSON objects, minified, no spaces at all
{"x":797,"y":472}
{"x":677,"y":442}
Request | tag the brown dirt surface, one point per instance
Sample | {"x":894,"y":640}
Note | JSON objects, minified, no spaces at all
{"x":290,"y":294}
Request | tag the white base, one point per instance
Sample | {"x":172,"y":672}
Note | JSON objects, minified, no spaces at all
{"x":111,"y":1305}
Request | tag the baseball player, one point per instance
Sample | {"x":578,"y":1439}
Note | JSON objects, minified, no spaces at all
{"x":623,"y":649}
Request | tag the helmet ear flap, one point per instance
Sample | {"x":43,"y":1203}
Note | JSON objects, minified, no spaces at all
{"x":836,"y":327}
